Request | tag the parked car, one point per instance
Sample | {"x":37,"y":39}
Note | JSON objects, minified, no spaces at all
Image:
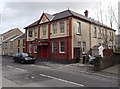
{"x":23,"y":58}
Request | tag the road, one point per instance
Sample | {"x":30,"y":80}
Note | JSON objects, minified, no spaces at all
{"x":31,"y":75}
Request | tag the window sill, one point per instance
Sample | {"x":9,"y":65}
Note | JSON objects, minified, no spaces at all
{"x":78,"y":34}
{"x":61,"y":52}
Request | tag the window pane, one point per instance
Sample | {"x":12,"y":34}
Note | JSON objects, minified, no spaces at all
{"x":62,"y":46}
{"x":95,"y":32}
{"x":30,"y":33}
{"x":44,"y":29}
{"x":35,"y":48}
{"x":54,"y":47}
{"x":78,"y":27}
{"x":62,"y":27}
{"x":54,"y":28}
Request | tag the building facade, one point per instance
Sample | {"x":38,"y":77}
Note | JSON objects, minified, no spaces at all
{"x":17,"y":44}
{"x":1,"y":44}
{"x":65,"y":35}
{"x":7,"y":44}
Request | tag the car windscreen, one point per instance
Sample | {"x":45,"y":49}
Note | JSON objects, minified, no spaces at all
{"x":24,"y":54}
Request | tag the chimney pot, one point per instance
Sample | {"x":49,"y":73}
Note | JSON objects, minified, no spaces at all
{"x":86,"y":13}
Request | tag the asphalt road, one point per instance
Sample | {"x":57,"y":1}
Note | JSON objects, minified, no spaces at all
{"x":30,"y":75}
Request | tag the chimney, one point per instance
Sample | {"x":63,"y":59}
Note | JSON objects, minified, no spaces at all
{"x":86,"y":13}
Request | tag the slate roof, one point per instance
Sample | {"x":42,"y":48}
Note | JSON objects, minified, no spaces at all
{"x":68,"y":13}
{"x":9,"y":38}
{"x":49,"y":16}
{"x":21,"y":36}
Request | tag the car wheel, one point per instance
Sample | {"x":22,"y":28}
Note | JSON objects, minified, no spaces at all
{"x":22,"y":61}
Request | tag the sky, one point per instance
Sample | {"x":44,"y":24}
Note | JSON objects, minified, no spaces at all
{"x":19,"y":14}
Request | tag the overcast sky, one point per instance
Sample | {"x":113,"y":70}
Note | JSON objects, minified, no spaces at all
{"x":20,"y":14}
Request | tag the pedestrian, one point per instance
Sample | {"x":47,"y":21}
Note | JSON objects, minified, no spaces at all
{"x":84,"y":57}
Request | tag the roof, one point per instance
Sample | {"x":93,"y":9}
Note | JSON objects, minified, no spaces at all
{"x":9,"y":38}
{"x":18,"y":37}
{"x":68,"y":13}
{"x":33,"y":24}
{"x":11,"y":30}
{"x":22,"y":36}
{"x":49,"y":16}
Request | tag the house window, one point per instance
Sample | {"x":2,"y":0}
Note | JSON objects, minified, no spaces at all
{"x":62,"y":47}
{"x":30,"y":33}
{"x":95,"y":32}
{"x":44,"y":29}
{"x":35,"y":48}
{"x":84,"y":46}
{"x":102,"y":33}
{"x":23,"y":42}
{"x":62,"y":27}
{"x":112,"y":36}
{"x":18,"y":43}
{"x":54,"y":28}
{"x":30,"y":48}
{"x":54,"y":47}
{"x":78,"y":28}
{"x":99,"y":33}
{"x":35,"y":32}
{"x":79,"y":44}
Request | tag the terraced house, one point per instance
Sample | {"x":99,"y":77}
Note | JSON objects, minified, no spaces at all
{"x":65,"y":35}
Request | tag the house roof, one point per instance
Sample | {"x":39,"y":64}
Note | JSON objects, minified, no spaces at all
{"x":11,"y":31}
{"x":49,"y":16}
{"x":21,"y":36}
{"x":68,"y":13}
{"x":9,"y":38}
{"x":18,"y":37}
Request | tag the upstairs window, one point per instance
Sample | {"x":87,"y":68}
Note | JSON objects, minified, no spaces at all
{"x":54,"y":25}
{"x":30,"y":33}
{"x":99,"y":33}
{"x":35,"y":32}
{"x":44,"y":30}
{"x":62,"y":27}
{"x":78,"y":28}
{"x":95,"y":32}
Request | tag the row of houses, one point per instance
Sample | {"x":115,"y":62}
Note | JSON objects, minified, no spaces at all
{"x":65,"y":35}
{"x":12,"y":42}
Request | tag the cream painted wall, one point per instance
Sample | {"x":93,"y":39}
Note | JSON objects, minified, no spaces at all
{"x":44,"y":19}
{"x":58,"y":30}
{"x":33,"y":37}
{"x":84,"y":37}
{"x":41,"y":32}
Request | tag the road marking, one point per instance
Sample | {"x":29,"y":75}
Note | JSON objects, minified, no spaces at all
{"x":40,"y":66}
{"x":9,"y":66}
{"x":61,"y":80}
{"x":20,"y":69}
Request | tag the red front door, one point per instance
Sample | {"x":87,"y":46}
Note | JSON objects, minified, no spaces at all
{"x":44,"y":52}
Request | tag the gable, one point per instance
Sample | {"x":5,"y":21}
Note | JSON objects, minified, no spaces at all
{"x":43,"y":19}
